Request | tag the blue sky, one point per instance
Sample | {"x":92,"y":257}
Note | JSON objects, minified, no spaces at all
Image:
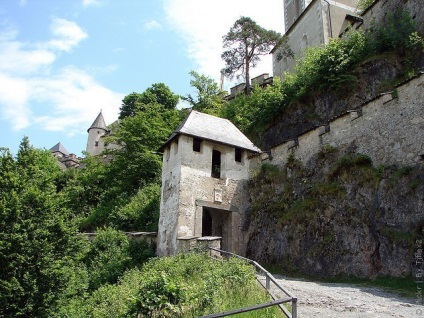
{"x":61,"y":62}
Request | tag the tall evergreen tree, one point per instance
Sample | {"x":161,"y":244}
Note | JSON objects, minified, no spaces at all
{"x":245,"y":43}
{"x":38,"y":243}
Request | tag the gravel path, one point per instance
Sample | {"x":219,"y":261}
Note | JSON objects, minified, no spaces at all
{"x":350,"y":301}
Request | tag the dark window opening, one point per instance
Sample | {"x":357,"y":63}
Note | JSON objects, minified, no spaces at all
{"x":197,"y":142}
{"x":216,"y":164}
{"x":96,"y":143}
{"x":176,"y":147}
{"x":237,"y":155}
{"x":206,"y":223}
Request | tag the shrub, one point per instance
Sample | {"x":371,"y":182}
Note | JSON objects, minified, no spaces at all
{"x":186,"y":285}
{"x":141,"y":213}
{"x":107,"y":258}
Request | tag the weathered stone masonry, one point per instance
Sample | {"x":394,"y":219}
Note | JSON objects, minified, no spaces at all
{"x":196,"y":203}
{"x":388,"y":129}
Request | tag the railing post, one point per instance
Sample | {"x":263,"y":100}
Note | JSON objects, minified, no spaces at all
{"x":294,"y":307}
{"x":268,"y":282}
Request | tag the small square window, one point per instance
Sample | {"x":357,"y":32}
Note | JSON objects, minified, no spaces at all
{"x":197,"y":142}
{"x":237,"y":155}
{"x":96,"y":144}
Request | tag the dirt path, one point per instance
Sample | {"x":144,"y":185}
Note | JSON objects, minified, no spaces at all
{"x":350,"y":301}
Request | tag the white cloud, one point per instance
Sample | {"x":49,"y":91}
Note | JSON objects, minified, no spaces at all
{"x":76,"y":99}
{"x":202,"y":24}
{"x":153,"y":24}
{"x":88,"y":3}
{"x":17,"y":57}
{"x":32,"y":92}
{"x":13,"y":101}
{"x":68,"y":34}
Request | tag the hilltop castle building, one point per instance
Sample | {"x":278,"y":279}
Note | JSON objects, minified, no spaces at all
{"x":96,"y":133}
{"x":64,"y":158}
{"x":310,"y":23}
{"x":95,"y":144}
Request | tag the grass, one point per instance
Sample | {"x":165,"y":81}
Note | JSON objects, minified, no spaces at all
{"x":252,"y":294}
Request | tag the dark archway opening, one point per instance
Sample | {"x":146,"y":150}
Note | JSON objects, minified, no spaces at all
{"x":206,"y":223}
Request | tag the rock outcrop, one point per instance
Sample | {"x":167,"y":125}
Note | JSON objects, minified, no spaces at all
{"x":337,"y":215}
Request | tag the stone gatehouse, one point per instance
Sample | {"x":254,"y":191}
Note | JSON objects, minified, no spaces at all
{"x":206,"y":164}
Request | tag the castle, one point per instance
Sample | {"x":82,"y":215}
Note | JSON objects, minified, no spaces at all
{"x":207,"y":161}
{"x":95,"y":144}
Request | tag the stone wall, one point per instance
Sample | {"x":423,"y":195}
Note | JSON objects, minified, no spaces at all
{"x":308,"y":28}
{"x":379,"y":11}
{"x":188,"y":189}
{"x":323,"y":218}
{"x":389,"y":130}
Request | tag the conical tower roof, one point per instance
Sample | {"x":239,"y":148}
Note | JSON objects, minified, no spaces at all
{"x":99,"y":123}
{"x":59,"y":148}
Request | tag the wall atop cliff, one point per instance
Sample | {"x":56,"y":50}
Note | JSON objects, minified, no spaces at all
{"x":346,"y":198}
{"x":389,"y":129}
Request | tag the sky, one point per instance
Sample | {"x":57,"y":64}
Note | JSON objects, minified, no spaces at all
{"x":62,"y":62}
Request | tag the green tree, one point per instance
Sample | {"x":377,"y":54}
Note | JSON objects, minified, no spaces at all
{"x":135,"y":166}
{"x":209,"y":98}
{"x":158,"y":93}
{"x":245,"y":43}
{"x":39,"y":246}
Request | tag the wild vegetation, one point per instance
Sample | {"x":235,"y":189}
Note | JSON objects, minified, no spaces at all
{"x":326,"y":68}
{"x":187,"y":285}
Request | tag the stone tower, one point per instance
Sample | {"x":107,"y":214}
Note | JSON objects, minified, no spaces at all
{"x":95,"y":142}
{"x":310,"y":23}
{"x":292,"y":11}
{"x":205,"y":172}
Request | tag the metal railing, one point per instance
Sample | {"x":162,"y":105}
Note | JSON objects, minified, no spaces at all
{"x":268,"y":280}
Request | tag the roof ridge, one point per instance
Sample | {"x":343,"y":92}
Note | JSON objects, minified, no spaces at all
{"x":59,"y":148}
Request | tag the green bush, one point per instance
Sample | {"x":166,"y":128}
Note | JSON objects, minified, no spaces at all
{"x":141,"y":213}
{"x":186,"y":285}
{"x":111,"y":253}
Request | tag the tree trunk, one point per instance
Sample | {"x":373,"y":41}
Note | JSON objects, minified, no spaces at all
{"x":247,"y":71}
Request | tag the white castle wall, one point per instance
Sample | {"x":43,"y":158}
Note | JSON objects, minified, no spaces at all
{"x":390,"y":130}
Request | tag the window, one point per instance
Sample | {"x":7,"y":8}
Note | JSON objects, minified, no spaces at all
{"x":96,"y":144}
{"x":176,"y":147}
{"x":167,"y":153}
{"x":197,"y":142}
{"x":237,"y":155}
{"x":216,"y":164}
{"x":304,"y":42}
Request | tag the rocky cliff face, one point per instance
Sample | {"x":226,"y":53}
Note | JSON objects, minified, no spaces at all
{"x":337,"y":215}
{"x":375,"y":76}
